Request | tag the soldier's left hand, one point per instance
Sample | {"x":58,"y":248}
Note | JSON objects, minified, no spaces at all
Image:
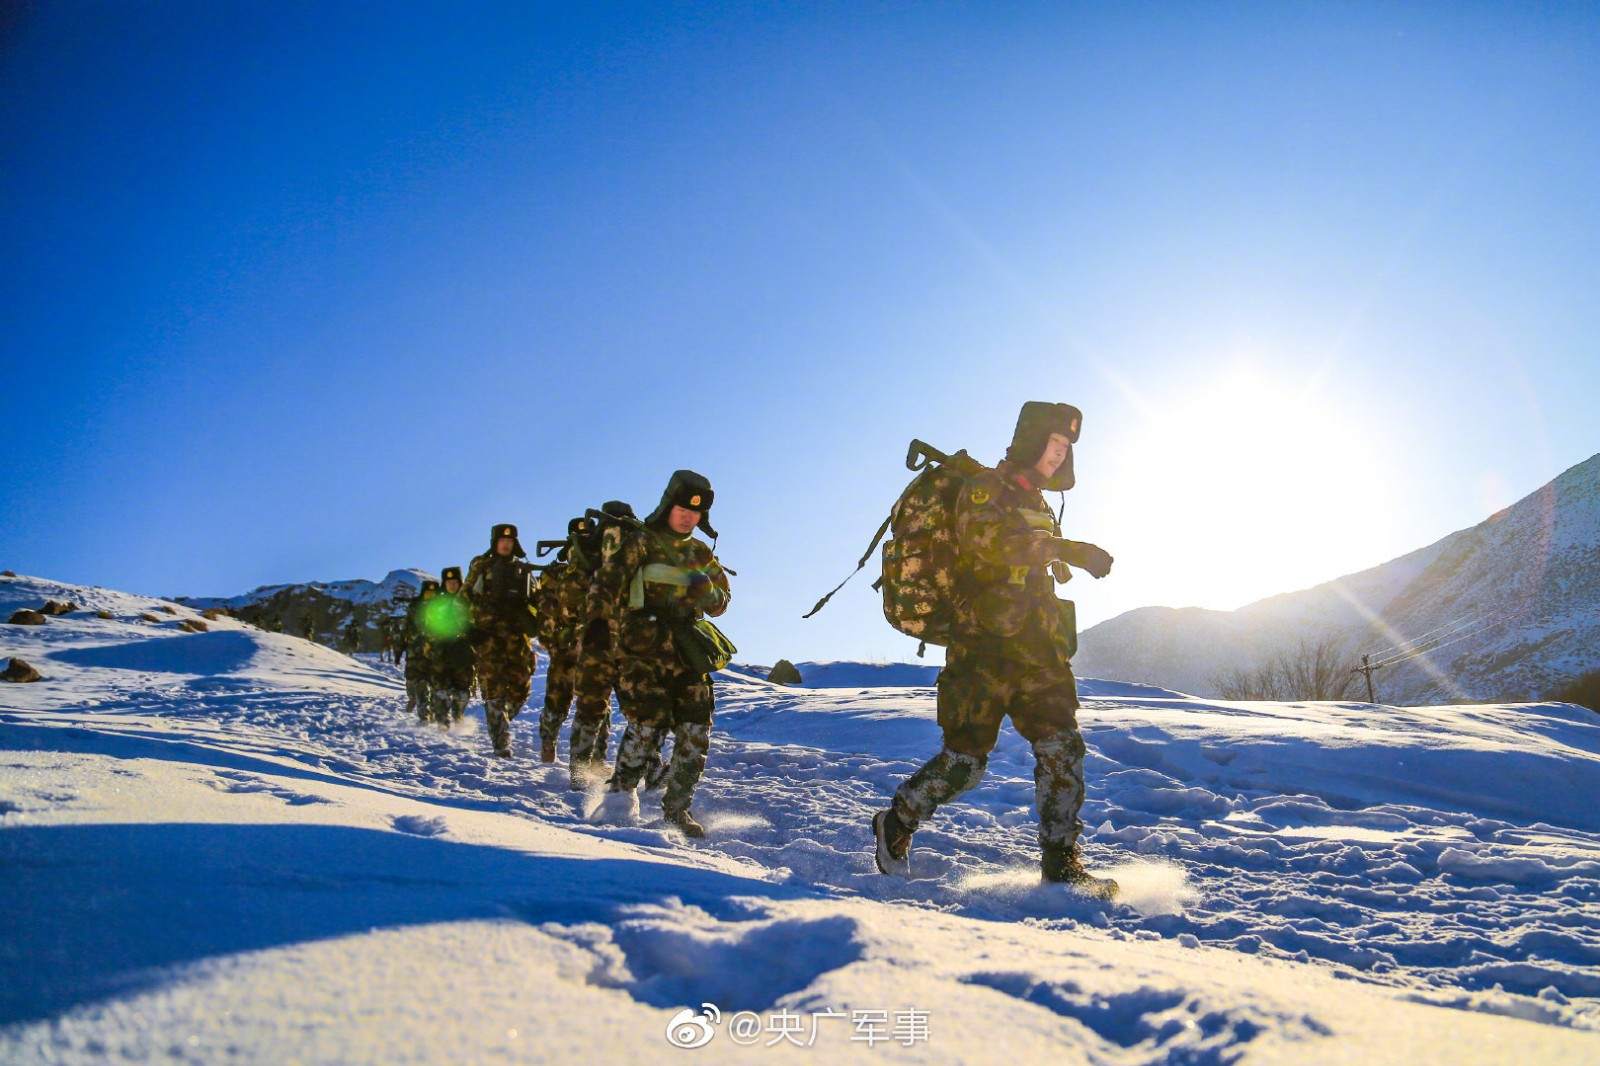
{"x":1090,"y":557}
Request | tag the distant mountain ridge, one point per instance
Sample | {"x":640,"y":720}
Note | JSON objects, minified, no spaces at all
{"x":329,"y":606}
{"x":1509,"y":610}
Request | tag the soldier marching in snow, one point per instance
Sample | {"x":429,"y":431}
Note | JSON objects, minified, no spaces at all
{"x":500,"y":584}
{"x":586,"y":670}
{"x":413,"y":647}
{"x":1010,"y":641}
{"x":558,"y":601}
{"x":597,"y":673}
{"x":655,"y":585}
{"x":447,"y":618}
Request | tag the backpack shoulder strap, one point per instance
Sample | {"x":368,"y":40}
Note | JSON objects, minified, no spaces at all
{"x":927,"y":461}
{"x":871,"y":548}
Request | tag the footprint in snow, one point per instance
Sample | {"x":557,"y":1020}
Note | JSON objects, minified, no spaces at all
{"x":419,"y":826}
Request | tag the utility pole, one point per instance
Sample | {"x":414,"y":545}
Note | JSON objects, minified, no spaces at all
{"x":1366,"y":668}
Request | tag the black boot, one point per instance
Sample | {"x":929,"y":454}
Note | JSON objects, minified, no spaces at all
{"x":685,"y":823}
{"x":893,"y":844}
{"x":1062,"y":864}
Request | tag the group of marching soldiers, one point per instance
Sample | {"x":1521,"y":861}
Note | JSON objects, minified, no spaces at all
{"x":614,"y":610}
{"x":624,"y":605}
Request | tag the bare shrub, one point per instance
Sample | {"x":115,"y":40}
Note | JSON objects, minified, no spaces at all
{"x":1311,"y":670}
{"x":1583,"y":690}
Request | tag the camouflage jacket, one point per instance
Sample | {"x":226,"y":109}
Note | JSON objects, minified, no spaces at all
{"x":501,"y":591}
{"x":559,"y":602}
{"x":643,"y":586}
{"x":1006,"y":601}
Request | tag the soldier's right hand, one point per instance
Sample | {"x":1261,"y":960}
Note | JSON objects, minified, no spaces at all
{"x":597,"y":637}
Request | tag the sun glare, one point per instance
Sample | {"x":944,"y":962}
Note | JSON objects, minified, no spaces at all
{"x":1243,"y":487}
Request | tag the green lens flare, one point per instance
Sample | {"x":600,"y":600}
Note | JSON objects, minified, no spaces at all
{"x":446,"y":617}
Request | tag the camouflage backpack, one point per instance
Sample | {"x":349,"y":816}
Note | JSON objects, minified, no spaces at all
{"x":919,"y":559}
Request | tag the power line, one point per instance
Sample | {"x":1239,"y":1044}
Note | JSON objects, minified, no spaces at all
{"x":1446,"y":638}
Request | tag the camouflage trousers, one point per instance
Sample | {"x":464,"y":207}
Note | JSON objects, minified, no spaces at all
{"x":639,"y":752}
{"x":449,"y":705}
{"x":660,"y":697}
{"x":418,"y":695}
{"x":505,"y":668}
{"x":449,"y":682}
{"x":976,"y":692}
{"x":505,"y":675}
{"x":418,"y":689}
{"x":560,"y":680}
{"x":591,"y":678}
{"x":591,"y":722}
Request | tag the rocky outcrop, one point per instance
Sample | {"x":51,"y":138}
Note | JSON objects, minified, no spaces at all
{"x":20,"y":672}
{"x":325,"y":607}
{"x":785,"y":673}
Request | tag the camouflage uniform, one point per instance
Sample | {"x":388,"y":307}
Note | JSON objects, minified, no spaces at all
{"x":413,"y":647}
{"x":447,"y":618}
{"x":1009,"y":649}
{"x":501,"y":587}
{"x":591,"y":723}
{"x":597,"y":674}
{"x":651,"y":581}
{"x":559,"y":603}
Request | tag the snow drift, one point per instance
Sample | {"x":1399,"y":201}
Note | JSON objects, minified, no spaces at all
{"x":230,"y":846}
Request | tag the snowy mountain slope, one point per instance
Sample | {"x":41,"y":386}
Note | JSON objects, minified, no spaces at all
{"x":1509,"y":609}
{"x":327,"y":605}
{"x":230,"y":846}
{"x":398,"y":584}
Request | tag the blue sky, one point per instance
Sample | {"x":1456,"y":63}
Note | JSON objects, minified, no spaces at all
{"x":303,"y":291}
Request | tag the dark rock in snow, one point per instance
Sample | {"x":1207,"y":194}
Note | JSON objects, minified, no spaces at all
{"x":26,"y":617}
{"x":56,"y":607}
{"x":785,"y":673}
{"x":19,"y":671}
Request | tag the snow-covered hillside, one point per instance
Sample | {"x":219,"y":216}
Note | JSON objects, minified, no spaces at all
{"x":399,"y":584}
{"x":230,"y":846}
{"x":1508,"y":609}
{"x":327,"y":607}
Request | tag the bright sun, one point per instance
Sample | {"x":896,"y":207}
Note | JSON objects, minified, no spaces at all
{"x":1239,"y":488}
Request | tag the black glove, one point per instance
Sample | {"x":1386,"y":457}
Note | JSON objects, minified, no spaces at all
{"x":1088,"y":557}
{"x":597,"y":637}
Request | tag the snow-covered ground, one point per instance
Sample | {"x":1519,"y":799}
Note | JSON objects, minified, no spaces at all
{"x":230,"y":845}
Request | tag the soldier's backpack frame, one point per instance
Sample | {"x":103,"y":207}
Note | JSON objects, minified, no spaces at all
{"x":919,"y":559}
